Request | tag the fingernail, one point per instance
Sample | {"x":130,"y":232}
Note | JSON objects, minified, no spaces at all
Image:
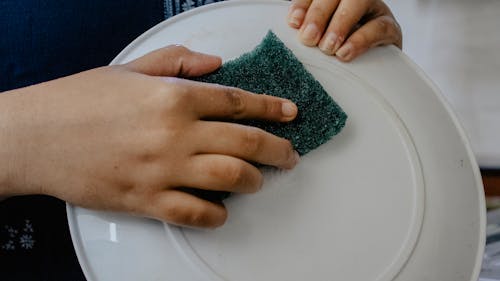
{"x":310,"y":34}
{"x":296,"y":17}
{"x":345,"y":51}
{"x":327,"y":45}
{"x":288,"y":109}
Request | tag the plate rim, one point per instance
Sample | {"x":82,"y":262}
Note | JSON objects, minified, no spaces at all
{"x":180,"y":240}
{"x":70,"y":209}
{"x":475,"y":167}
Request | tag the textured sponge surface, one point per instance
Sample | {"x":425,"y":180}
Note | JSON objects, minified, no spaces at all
{"x":272,"y":69}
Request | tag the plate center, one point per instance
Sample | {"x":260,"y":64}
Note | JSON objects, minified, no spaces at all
{"x":335,"y":216}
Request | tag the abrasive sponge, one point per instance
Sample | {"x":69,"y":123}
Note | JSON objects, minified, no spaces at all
{"x":271,"y":68}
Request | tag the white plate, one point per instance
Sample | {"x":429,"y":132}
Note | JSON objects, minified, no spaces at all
{"x":395,"y":196}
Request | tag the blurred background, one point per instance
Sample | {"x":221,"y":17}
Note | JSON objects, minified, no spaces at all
{"x":457,"y":44}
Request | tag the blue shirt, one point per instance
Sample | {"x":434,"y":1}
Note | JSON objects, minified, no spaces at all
{"x":43,"y":40}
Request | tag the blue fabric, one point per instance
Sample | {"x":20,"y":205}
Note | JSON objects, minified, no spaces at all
{"x":174,"y":7}
{"x":35,"y":243}
{"x":43,"y":40}
{"x":47,"y":39}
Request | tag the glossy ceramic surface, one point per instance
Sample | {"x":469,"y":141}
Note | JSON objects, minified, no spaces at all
{"x":395,"y":196}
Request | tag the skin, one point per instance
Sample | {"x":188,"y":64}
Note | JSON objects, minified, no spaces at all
{"x":123,"y":138}
{"x":344,"y":28}
{"x":126,"y":137}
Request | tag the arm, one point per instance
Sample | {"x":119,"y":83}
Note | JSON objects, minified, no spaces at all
{"x":344,"y":28}
{"x":124,"y":138}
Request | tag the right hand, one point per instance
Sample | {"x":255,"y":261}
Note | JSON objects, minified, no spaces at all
{"x":345,"y":28}
{"x":124,"y":138}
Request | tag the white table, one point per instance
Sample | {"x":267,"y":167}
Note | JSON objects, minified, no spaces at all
{"x":457,"y":43}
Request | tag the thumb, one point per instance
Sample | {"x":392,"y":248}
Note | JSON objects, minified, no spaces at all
{"x":175,"y":61}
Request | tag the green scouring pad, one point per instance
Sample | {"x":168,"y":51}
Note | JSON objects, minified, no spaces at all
{"x":272,"y":69}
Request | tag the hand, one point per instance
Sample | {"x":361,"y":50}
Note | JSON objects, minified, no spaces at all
{"x":344,"y":28}
{"x":124,"y":138}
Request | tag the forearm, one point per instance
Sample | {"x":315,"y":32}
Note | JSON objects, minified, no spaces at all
{"x":13,"y":107}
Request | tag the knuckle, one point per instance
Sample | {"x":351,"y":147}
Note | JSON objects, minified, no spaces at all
{"x":252,"y":141}
{"x":154,"y":144}
{"x":358,"y":40}
{"x":384,"y":25}
{"x":199,"y":217}
{"x":171,"y":132}
{"x":318,"y":14}
{"x":174,"y":213}
{"x":176,"y":49}
{"x":390,"y":30}
{"x":176,"y":56}
{"x":173,"y":96}
{"x":235,"y":100}
{"x":147,"y":182}
{"x":235,"y":175}
{"x":271,"y":107}
{"x":394,"y":27}
{"x":343,"y":13}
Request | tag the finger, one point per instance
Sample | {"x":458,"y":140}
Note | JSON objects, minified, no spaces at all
{"x":297,"y":12}
{"x":245,"y":142}
{"x":216,"y":101}
{"x":317,"y":18}
{"x":345,"y":18}
{"x":175,"y":60}
{"x":221,"y":173}
{"x":183,"y":209}
{"x":380,"y":31}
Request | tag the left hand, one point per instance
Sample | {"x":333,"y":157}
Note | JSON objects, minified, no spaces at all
{"x":344,"y":28}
